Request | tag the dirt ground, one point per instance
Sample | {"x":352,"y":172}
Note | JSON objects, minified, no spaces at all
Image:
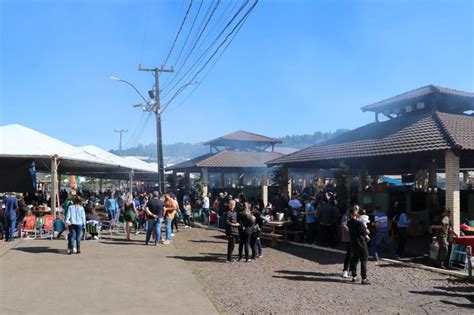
{"x":297,"y":280}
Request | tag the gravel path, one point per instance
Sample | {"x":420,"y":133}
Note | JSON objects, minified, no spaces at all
{"x":298,"y":280}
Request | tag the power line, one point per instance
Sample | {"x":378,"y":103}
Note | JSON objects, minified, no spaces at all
{"x":179,"y":31}
{"x":203,"y":55}
{"x":201,"y":31}
{"x":146,"y":30}
{"x":211,"y":67}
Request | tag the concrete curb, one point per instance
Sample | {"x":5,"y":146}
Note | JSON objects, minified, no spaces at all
{"x":338,"y":251}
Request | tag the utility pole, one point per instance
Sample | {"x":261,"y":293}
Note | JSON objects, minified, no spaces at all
{"x":157,"y":111}
{"x":120,"y":131}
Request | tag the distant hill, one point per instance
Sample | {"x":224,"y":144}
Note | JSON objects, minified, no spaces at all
{"x":180,"y":152}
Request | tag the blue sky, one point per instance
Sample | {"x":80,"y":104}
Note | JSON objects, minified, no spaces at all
{"x":295,"y":67}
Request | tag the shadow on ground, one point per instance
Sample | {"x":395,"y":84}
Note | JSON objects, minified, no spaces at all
{"x":204,"y":241}
{"x":200,"y":258}
{"x":39,"y":250}
{"x":453,"y":292}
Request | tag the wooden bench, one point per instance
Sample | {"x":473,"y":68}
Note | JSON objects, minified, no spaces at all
{"x":273,"y":236}
{"x":297,"y":235}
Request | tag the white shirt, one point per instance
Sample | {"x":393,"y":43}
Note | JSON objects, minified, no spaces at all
{"x":205,"y":202}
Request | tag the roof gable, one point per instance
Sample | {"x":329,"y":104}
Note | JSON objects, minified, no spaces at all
{"x":242,"y":136}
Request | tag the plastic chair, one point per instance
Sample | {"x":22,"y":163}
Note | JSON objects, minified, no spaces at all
{"x":93,"y":227}
{"x":29,"y":227}
{"x":47,"y":229}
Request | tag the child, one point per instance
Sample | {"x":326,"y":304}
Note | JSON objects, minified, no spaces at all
{"x":364,"y":218}
{"x":187,"y":214}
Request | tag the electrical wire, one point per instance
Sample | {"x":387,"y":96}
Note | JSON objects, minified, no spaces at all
{"x":179,"y":32}
{"x":204,"y":55}
{"x":145,"y":31}
{"x":214,"y":63}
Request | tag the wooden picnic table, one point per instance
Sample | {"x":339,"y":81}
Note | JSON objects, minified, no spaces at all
{"x":280,"y":225}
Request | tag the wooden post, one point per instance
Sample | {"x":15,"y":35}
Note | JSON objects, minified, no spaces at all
{"x":265,"y":189}
{"x":54,"y":183}
{"x":469,"y":260}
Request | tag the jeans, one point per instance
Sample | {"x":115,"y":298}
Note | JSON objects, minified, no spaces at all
{"x":168,"y":228}
{"x":348,"y":258}
{"x":255,"y":245}
{"x":174,"y":224}
{"x":244,"y":241}
{"x":361,"y":254}
{"x":111,"y":214}
{"x":310,"y":233}
{"x":156,"y":225}
{"x":76,"y":234}
{"x":9,"y":227}
{"x":381,"y":238}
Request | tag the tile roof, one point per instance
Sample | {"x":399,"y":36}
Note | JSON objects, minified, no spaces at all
{"x":229,"y":159}
{"x":424,"y":132}
{"x":425,"y":90}
{"x":243,"y":136}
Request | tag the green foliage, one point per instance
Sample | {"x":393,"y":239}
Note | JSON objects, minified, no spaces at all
{"x":302,"y":141}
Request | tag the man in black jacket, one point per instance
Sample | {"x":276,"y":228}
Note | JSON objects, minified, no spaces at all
{"x":358,"y":233}
{"x":231,"y":225}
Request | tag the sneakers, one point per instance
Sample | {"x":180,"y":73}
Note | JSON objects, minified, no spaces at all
{"x":231,"y":262}
{"x":96,"y":237}
{"x":354,"y":279}
{"x":137,"y":232}
{"x":172,"y":234}
{"x":248,"y":260}
{"x":74,"y":250}
{"x":69,"y":252}
{"x":166,"y":242}
{"x":345,"y":274}
{"x":365,"y":281}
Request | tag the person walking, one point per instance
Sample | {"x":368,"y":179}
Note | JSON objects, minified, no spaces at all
{"x":358,"y":233}
{"x":174,"y":223}
{"x":402,"y":220}
{"x":206,"y":209}
{"x":111,"y":206}
{"x":231,"y":226}
{"x":11,"y":204}
{"x":382,"y":236}
{"x":76,"y":221}
{"x":130,"y":215}
{"x":310,"y":213}
{"x":346,"y":240}
{"x":170,"y":211}
{"x":154,"y":211}
{"x":442,"y":229}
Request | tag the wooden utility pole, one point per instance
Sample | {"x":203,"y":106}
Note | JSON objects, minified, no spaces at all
{"x":157,"y":110}
{"x":120,"y":131}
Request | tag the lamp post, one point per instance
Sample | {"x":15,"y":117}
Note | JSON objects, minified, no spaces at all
{"x":155,"y":107}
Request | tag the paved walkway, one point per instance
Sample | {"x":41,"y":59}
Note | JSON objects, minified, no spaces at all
{"x":109,"y":276}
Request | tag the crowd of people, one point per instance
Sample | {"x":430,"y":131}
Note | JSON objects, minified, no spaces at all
{"x":316,"y":215}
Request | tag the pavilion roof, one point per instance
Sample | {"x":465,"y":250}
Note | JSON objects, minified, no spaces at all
{"x":242,"y":137}
{"x":228,"y":159}
{"x":419,"y":132}
{"x":437,"y":97}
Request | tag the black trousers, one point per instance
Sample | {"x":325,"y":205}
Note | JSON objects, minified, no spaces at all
{"x":402,"y":241}
{"x":309,"y":233}
{"x":244,"y":242}
{"x":359,"y":254}
{"x":230,"y":245}
{"x":347,"y":259}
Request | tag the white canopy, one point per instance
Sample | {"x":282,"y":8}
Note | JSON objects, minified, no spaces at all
{"x":19,"y":143}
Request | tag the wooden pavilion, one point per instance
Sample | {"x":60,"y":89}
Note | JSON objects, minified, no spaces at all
{"x":234,"y":160}
{"x":430,"y":128}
